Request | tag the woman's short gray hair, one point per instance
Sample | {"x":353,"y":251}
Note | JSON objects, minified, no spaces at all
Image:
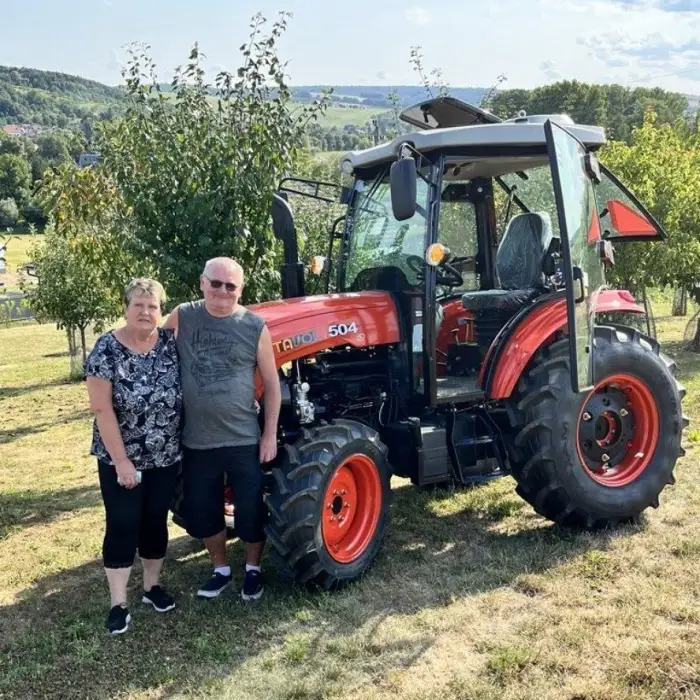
{"x":144,"y":285}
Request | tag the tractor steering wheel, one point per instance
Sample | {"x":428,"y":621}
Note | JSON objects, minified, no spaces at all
{"x":446,"y":275}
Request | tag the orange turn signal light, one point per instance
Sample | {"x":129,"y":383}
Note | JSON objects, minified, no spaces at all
{"x":436,"y":253}
{"x":317,"y":264}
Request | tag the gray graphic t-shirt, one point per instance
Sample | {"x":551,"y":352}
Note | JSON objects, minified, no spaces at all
{"x":218,"y":358}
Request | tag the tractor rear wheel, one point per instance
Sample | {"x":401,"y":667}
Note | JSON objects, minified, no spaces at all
{"x":601,"y":457}
{"x":328,"y":503}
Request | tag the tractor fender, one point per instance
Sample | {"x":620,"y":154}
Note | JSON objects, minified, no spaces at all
{"x":517,"y":342}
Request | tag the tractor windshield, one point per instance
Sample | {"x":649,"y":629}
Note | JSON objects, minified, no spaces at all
{"x":380,"y":248}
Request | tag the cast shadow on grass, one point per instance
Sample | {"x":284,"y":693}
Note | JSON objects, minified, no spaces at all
{"x":9,"y":392}
{"x":433,"y":556}
{"x":11,"y":434}
{"x":20,"y":509}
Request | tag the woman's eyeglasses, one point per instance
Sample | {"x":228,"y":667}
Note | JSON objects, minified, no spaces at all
{"x":217,"y":284}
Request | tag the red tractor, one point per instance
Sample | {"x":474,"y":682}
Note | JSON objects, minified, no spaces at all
{"x":472,"y":335}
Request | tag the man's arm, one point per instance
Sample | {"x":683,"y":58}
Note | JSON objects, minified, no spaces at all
{"x":272,"y":395}
{"x":172,"y":320}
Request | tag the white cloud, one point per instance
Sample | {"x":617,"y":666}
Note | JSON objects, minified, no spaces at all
{"x":652,"y":54}
{"x":419,"y":16}
{"x":382,"y":75}
{"x":549,"y":68}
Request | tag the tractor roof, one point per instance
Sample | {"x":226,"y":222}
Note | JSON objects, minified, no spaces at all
{"x":446,"y":123}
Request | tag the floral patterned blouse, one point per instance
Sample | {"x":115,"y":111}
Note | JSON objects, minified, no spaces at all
{"x":146,"y":397}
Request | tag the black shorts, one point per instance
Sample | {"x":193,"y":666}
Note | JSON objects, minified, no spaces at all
{"x":203,"y":491}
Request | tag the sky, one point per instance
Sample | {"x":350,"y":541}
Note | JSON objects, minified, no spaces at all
{"x":644,"y":43}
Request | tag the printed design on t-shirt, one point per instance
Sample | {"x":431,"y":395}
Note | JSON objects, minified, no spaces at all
{"x":215,"y":357}
{"x":146,"y":396}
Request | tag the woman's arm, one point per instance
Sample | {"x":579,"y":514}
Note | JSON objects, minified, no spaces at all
{"x":100,"y":393}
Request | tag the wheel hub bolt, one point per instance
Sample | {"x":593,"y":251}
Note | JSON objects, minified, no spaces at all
{"x":623,"y":412}
{"x":586,"y":416}
{"x":605,"y":458}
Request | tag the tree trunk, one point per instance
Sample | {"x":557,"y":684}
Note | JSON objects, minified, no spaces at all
{"x":76,"y":365}
{"x":680,"y":303}
{"x":82,"y":342}
{"x":695,"y":345}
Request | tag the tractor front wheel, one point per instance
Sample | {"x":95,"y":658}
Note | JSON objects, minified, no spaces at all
{"x":328,"y":504}
{"x":600,"y":457}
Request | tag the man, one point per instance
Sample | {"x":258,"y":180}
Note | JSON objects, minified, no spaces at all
{"x":220,"y":344}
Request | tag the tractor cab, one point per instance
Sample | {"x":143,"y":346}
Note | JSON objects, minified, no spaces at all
{"x":471,"y":225}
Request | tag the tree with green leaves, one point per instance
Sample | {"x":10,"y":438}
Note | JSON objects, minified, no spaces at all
{"x":197,"y":170}
{"x":619,"y":109}
{"x":661,"y":166}
{"x":15,"y":178}
{"x":9,"y":213}
{"x":86,"y":257}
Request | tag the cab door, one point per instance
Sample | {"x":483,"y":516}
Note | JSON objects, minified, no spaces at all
{"x":574,"y":172}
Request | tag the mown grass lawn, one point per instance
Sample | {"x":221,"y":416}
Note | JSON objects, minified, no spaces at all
{"x":18,"y":246}
{"x":473,"y":595}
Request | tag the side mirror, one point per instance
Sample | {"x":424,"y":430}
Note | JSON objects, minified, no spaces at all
{"x":402,"y":179}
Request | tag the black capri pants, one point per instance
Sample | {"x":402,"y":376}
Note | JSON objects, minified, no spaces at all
{"x":203,"y":489}
{"x":136,"y":519}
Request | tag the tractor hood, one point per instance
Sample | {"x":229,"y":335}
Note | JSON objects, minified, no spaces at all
{"x":303,"y":326}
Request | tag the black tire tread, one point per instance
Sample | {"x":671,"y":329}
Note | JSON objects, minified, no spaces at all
{"x":294,"y":494}
{"x":534,"y":465}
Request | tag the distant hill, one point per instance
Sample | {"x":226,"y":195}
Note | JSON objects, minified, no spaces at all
{"x":49,"y":99}
{"x":377,"y":95}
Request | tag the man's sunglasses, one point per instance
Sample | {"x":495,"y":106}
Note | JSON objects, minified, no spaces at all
{"x":217,"y":284}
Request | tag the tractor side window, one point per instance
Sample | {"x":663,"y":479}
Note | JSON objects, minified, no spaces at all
{"x":457,"y":230}
{"x":380,"y":246}
{"x":620,"y":217}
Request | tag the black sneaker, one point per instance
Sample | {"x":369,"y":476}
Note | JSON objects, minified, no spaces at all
{"x":159,"y":599}
{"x":216,"y":585}
{"x":118,"y":620}
{"x":252,"y":585}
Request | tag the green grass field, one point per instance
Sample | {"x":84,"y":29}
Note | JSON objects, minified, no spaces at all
{"x":473,"y":596}
{"x":18,"y":246}
{"x":339,"y":116}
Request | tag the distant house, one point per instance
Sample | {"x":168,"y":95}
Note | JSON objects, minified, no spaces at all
{"x":31,"y":130}
{"x":86,"y":159}
{"x":14,"y":130}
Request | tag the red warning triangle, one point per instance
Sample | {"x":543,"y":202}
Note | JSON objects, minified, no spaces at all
{"x":594,"y":228}
{"x":627,"y":222}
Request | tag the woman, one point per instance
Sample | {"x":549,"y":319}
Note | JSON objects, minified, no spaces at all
{"x":133,"y":381}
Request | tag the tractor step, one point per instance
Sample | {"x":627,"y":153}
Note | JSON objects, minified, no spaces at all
{"x":434,"y":463}
{"x":485,"y":440}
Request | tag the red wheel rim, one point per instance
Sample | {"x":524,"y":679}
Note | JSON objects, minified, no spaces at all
{"x":618,"y":430}
{"x":351,"y":508}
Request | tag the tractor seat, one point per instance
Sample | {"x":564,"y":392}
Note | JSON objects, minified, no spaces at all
{"x":519,"y":265}
{"x":501,"y":300}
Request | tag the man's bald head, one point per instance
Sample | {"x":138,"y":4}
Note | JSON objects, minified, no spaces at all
{"x":222,"y":268}
{"x":220,"y":299}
